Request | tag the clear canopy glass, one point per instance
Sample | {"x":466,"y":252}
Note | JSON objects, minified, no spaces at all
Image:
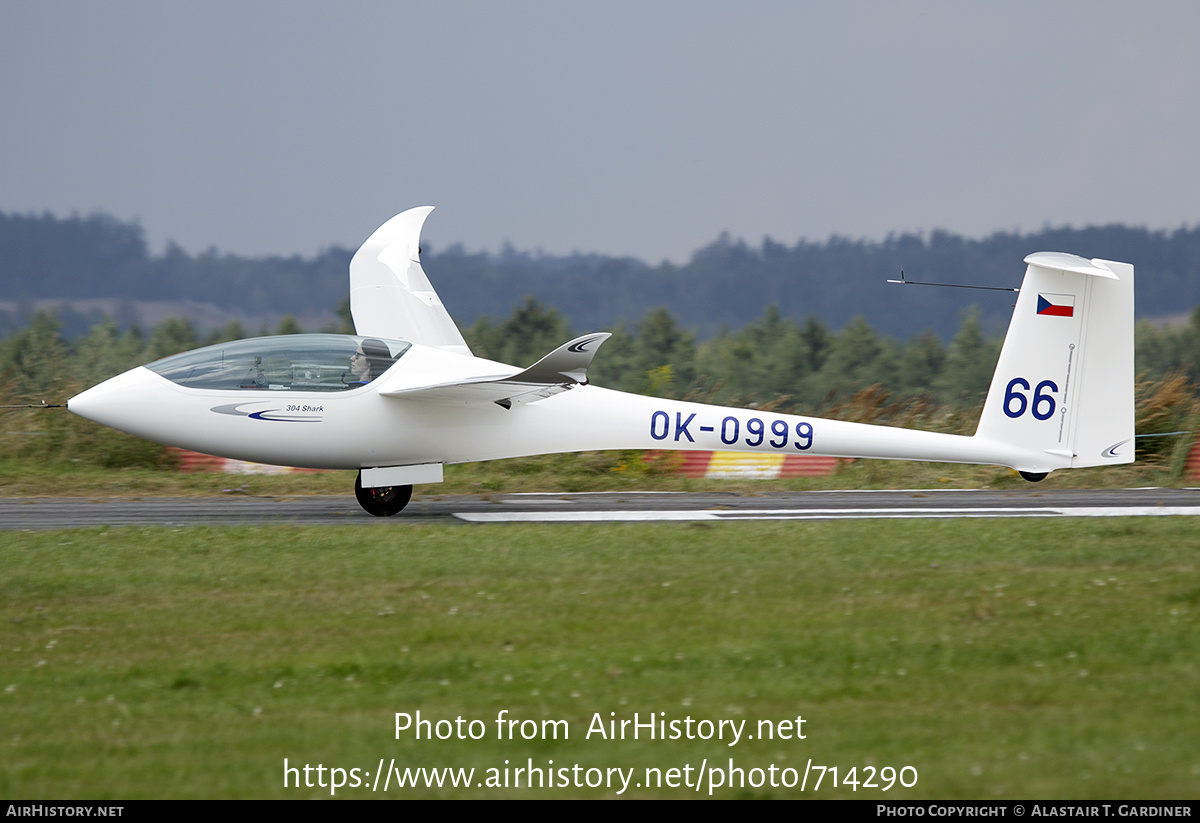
{"x":292,"y":362}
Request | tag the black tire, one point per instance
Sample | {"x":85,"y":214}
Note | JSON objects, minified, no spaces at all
{"x":1034,"y":477}
{"x":384,"y":501}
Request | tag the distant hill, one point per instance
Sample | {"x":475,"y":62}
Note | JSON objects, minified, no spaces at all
{"x":78,"y":260}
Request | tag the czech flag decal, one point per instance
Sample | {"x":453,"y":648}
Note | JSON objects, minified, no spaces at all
{"x":1056,"y":305}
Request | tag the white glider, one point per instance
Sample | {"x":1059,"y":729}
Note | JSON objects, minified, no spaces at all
{"x":404,"y":395}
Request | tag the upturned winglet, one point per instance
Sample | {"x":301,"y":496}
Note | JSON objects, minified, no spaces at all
{"x":561,"y":369}
{"x":566,"y":364}
{"x":390,"y":295}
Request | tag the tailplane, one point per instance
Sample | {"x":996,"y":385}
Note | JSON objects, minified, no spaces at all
{"x":1063,"y":387}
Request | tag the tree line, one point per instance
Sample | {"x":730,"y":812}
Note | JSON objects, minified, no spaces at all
{"x":724,"y":285}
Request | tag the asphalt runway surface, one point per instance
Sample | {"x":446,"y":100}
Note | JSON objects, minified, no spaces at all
{"x":17,"y":514}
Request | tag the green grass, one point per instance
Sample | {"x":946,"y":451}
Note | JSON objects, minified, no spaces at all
{"x":998,"y":658}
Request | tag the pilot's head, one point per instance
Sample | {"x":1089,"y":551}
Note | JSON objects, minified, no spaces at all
{"x":370,"y":360}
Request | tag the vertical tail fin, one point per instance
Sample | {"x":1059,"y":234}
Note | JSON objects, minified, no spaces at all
{"x":1063,"y":387}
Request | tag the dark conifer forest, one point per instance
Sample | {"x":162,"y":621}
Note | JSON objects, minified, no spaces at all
{"x":724,"y":285}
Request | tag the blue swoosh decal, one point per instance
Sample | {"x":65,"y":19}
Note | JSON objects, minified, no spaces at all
{"x":268,"y":415}
{"x":262,"y":416}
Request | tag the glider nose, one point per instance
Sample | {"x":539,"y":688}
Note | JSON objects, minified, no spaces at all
{"x":89,"y":403}
{"x":115,"y":402}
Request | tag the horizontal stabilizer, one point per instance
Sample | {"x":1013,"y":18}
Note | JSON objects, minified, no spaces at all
{"x":1060,"y":261}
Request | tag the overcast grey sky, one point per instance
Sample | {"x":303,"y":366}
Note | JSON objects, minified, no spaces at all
{"x":643,"y":128}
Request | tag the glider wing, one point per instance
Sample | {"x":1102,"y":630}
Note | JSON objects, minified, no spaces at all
{"x":474,"y":380}
{"x":390,"y":296}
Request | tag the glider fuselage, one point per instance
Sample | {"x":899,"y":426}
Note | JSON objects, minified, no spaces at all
{"x":343,"y":425}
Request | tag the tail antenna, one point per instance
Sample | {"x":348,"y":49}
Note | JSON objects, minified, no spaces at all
{"x":904,"y":282}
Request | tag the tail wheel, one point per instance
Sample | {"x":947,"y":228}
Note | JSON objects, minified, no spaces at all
{"x":383,"y":501}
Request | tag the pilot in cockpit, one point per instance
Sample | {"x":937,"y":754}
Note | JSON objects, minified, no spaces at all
{"x":370,"y":360}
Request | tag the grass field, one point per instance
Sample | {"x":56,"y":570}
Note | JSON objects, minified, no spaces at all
{"x":1039,"y":659}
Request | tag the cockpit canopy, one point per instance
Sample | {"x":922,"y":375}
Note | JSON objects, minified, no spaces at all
{"x":291,"y":362}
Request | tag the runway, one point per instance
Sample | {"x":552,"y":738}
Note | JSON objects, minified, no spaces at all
{"x":18,"y":514}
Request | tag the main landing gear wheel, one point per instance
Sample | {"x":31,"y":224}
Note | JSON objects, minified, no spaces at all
{"x":1033,"y":477}
{"x":384,"y":501}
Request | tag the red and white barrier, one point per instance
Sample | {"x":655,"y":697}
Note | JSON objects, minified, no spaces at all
{"x":742,"y":465}
{"x":190,"y":461}
{"x":717,"y":465}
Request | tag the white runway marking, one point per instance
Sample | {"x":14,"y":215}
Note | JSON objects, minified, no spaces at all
{"x":825,"y":514}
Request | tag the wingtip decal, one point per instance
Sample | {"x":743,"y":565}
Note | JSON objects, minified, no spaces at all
{"x":1111,"y":451}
